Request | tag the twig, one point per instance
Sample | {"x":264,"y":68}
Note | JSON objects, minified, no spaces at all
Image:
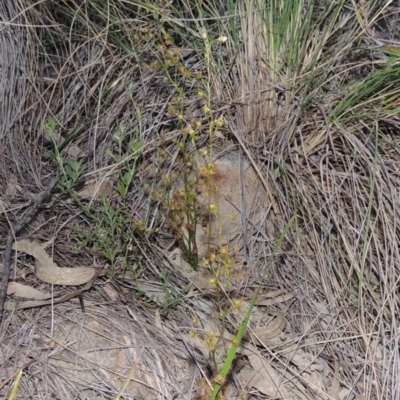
{"x":25,"y":366}
{"x":244,"y":207}
{"x":14,"y":230}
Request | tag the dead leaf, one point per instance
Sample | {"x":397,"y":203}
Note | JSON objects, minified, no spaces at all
{"x":19,"y":290}
{"x":19,"y":305}
{"x":48,"y":271}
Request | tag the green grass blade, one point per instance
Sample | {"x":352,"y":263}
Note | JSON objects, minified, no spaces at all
{"x":243,"y":326}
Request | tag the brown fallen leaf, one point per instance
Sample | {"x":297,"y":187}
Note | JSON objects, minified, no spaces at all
{"x":47,"y":270}
{"x":19,"y":305}
{"x":27,"y":292}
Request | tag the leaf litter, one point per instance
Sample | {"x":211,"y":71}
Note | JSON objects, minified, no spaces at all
{"x":337,"y":338}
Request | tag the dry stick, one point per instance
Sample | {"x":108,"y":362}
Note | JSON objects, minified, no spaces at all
{"x":244,"y":205}
{"x":25,"y":366}
{"x":14,"y":230}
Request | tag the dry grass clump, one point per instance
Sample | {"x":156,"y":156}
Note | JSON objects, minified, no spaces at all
{"x":120,"y":99}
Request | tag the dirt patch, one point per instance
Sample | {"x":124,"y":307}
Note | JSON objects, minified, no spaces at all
{"x":90,"y":354}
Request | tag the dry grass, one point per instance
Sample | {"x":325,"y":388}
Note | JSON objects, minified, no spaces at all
{"x":323,"y":133}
